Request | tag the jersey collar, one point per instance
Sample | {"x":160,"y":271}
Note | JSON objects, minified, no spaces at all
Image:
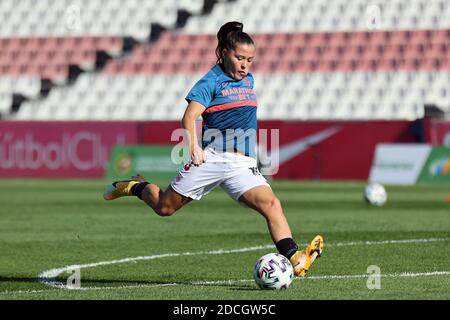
{"x":219,"y":71}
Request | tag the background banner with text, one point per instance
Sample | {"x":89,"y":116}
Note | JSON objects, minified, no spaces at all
{"x":151,"y":161}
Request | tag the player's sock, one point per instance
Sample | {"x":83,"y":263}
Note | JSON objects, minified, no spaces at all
{"x":137,"y":189}
{"x":287,"y":247}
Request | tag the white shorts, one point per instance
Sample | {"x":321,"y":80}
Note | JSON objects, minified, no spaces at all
{"x":235,"y":173}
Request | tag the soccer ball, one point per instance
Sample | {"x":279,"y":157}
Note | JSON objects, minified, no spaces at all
{"x":375,"y":194}
{"x":273,"y":271}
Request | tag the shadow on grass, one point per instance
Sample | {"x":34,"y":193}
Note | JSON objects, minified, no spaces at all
{"x":126,"y":283}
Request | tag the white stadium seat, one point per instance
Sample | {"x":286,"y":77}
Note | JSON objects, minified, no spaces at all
{"x":317,"y":95}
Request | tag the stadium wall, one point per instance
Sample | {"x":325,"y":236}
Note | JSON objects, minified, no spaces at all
{"x":327,"y":150}
{"x":346,"y":153}
{"x":438,"y":132}
{"x":60,"y":149}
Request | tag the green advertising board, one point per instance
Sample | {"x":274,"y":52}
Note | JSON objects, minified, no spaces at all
{"x":437,"y":166}
{"x":151,"y":161}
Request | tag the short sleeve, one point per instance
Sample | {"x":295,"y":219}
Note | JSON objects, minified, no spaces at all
{"x":202,"y":92}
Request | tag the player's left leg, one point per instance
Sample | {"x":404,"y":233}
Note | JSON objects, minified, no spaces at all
{"x":247,"y":185}
{"x":262,"y":199}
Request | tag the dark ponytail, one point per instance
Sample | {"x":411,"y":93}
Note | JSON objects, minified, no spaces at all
{"x":229,"y":35}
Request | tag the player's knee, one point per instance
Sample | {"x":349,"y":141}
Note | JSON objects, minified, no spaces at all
{"x":165,"y":211}
{"x":271,"y":204}
{"x":274,"y":203}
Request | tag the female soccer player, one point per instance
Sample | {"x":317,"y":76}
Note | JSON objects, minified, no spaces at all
{"x":224,"y":97}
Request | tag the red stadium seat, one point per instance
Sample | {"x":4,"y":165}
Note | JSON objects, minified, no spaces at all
{"x":387,"y":64}
{"x":398,"y":37}
{"x":348,"y":65}
{"x":445,"y":64}
{"x":338,"y":39}
{"x":429,"y":64}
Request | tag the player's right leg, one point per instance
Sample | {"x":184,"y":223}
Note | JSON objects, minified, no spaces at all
{"x":121,"y":188}
{"x":191,"y":182}
{"x":164,"y":203}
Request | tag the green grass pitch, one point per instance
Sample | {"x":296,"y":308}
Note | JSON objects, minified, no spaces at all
{"x":48,"y":225}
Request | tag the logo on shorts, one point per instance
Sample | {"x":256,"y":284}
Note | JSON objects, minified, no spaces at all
{"x":255,"y":171}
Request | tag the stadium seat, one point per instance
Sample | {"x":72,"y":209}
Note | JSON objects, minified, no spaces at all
{"x":315,"y":59}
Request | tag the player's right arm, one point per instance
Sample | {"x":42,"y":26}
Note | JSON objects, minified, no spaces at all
{"x":193,"y":111}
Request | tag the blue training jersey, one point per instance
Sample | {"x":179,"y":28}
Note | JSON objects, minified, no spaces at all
{"x":229,"y":120}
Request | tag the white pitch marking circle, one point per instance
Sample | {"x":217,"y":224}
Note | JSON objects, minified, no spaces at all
{"x":49,"y":277}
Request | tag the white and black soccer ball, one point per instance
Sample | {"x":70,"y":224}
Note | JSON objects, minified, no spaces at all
{"x":375,"y":194}
{"x":273,"y":271}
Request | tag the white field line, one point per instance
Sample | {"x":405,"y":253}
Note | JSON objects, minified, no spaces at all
{"x":58,"y":288}
{"x":371,"y":243}
{"x":237,"y":281}
{"x":49,"y":277}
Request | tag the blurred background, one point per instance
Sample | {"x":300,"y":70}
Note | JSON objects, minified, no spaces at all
{"x":336,"y":77}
